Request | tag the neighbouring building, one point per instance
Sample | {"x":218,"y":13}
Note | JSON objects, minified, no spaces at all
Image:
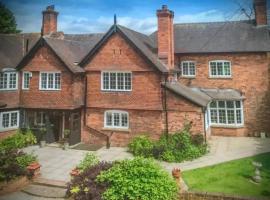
{"x":122,"y":83}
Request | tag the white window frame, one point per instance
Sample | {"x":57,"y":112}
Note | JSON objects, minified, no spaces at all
{"x":42,"y":117}
{"x":47,"y":80}
{"x":23,"y":79}
{"x":116,"y":84}
{"x":120,"y":119}
{"x":8,"y":81}
{"x":9,"y":127}
{"x":223,"y":71}
{"x":182,"y":69}
{"x":236,"y":125}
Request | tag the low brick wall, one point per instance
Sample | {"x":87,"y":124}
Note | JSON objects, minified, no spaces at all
{"x":211,"y":196}
{"x":6,"y":134}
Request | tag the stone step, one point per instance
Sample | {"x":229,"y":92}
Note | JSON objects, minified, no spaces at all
{"x":44,"y":191}
{"x":49,"y":182}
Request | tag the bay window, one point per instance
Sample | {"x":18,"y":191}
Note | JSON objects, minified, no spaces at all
{"x":116,"y":119}
{"x":226,"y":113}
{"x":116,"y":81}
{"x":8,"y":81}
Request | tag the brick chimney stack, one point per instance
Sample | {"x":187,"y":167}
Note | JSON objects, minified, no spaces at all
{"x":49,"y":21}
{"x":260,"y":12}
{"x":165,"y":36}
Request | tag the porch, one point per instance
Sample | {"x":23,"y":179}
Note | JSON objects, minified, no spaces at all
{"x":51,"y":125}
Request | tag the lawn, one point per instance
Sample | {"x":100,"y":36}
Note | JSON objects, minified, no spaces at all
{"x":232,"y":178}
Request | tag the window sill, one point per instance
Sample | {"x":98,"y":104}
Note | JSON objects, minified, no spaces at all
{"x":47,"y":90}
{"x":8,"y":90}
{"x":217,"y":77}
{"x":188,"y":77}
{"x":227,"y":126}
{"x":111,"y":91}
{"x":8,"y":129}
{"x":116,"y":129}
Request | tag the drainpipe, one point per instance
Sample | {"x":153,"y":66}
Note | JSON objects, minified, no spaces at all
{"x":85,"y":100}
{"x":204,"y":109}
{"x":165,"y":109}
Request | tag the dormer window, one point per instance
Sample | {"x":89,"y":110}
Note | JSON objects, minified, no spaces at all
{"x":220,"y":69}
{"x":8,"y":81}
{"x":188,"y":68}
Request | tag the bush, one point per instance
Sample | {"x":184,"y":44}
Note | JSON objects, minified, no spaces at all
{"x":139,"y":178}
{"x":17,"y":141}
{"x":13,"y":163}
{"x":84,"y":186}
{"x":141,"y":146}
{"x":175,"y":147}
{"x":89,"y":160}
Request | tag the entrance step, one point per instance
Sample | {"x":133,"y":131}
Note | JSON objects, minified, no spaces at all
{"x":45,"y":191}
{"x":48,"y":182}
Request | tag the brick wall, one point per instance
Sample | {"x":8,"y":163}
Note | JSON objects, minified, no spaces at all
{"x":250,"y":75}
{"x":6,"y":134}
{"x":71,"y":93}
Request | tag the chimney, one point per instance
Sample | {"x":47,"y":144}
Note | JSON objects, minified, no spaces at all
{"x":260,"y":12}
{"x":49,"y":21}
{"x":165,"y":36}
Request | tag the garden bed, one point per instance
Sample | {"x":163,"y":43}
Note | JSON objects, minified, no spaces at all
{"x":13,"y":185}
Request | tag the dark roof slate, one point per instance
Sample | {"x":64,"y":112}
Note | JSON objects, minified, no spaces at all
{"x":215,"y":37}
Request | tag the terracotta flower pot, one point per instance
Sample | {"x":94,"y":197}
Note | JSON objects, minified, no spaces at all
{"x":34,"y":169}
{"x":74,"y":172}
{"x":176,"y":173}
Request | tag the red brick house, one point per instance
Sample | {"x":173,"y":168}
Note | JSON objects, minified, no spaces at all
{"x":124,"y":83}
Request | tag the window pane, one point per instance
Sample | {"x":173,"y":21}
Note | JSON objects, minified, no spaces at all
{"x":44,"y":81}
{"x":185,"y":68}
{"x":227,"y":71}
{"x":230,"y":104}
{"x":26,"y":80}
{"x":238,"y":104}
{"x":238,"y":116}
{"x":57,"y":80}
{"x":120,"y":81}
{"x":222,"y":116}
{"x":220,"y":68}
{"x":5,"y":120}
{"x":50,"y":81}
{"x":128,"y":81}
{"x":14,"y":119}
{"x":213,"y":116}
{"x":213,"y":104}
{"x":12,"y":80}
{"x":109,"y":119}
{"x":113,"y":81}
{"x":116,"y":119}
{"x":213,"y":68}
{"x":221,"y":104}
{"x":106,"y":80}
{"x":124,"y":120}
{"x":192,"y":68}
{"x":230,"y":116}
{"x":3,"y":80}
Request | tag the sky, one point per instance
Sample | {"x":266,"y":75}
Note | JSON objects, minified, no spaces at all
{"x":95,"y":16}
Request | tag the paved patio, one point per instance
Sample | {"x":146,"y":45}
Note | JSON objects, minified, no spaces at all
{"x":57,"y":163}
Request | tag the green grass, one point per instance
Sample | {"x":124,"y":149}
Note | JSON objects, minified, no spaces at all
{"x":232,"y":178}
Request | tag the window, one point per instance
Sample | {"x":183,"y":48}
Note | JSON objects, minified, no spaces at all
{"x":220,"y":69}
{"x":9,"y":120}
{"x":26,"y":80}
{"x":226,"y":112}
{"x":8,"y":81}
{"x":188,"y":68}
{"x":40,"y":118}
{"x":116,"y":81}
{"x":50,"y":81}
{"x":116,"y":119}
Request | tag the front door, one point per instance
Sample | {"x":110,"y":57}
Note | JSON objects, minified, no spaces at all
{"x":75,"y":127}
{"x":53,"y":124}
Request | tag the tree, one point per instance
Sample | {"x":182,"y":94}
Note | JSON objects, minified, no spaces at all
{"x":7,"y":21}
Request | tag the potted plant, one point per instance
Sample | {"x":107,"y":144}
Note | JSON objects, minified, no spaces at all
{"x":66,"y":137}
{"x":43,"y":132}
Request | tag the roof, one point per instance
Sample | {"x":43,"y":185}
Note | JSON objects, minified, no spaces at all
{"x":14,"y":46}
{"x":195,"y":96}
{"x":223,"y":94}
{"x":215,"y":37}
{"x":141,"y":42}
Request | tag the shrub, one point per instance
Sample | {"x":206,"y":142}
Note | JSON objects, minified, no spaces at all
{"x":141,"y":146}
{"x":139,"y":178}
{"x":17,"y":141}
{"x":84,"y":186}
{"x":89,"y":160}
{"x":175,"y":147}
{"x":13,"y":164}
